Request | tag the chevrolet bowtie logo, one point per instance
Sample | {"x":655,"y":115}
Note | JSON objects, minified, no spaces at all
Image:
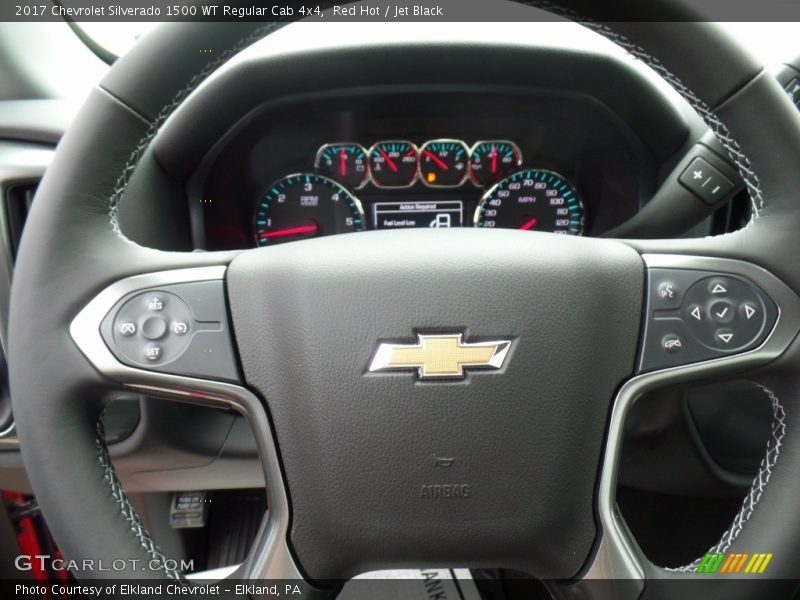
{"x":440,"y":356}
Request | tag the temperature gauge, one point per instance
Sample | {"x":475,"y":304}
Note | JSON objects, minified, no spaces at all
{"x":491,"y":161}
{"x":443,"y":163}
{"x":393,"y":164}
{"x":345,"y":163}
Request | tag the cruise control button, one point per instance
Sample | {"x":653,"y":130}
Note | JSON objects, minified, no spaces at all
{"x":748,"y":310}
{"x":165,"y":334}
{"x":722,"y":312}
{"x":155,"y":304}
{"x":671,"y":343}
{"x":128,"y":328}
{"x":154,"y":328}
{"x":152,"y":353}
{"x":725,"y":336}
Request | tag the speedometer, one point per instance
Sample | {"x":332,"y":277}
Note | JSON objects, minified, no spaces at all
{"x":532,"y":200}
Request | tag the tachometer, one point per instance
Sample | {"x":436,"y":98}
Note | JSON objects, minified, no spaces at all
{"x":492,"y":160}
{"x":303,"y":206}
{"x":532,"y":200}
{"x":345,"y":163}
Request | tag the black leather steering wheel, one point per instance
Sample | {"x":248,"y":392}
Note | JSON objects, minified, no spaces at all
{"x":346,"y":450}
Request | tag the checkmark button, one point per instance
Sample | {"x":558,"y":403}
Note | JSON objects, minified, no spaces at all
{"x":722,"y":311}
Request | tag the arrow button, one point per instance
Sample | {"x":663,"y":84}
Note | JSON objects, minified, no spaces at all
{"x":749,"y":311}
{"x":696,"y":312}
{"x":725,"y":336}
{"x":718,"y":288}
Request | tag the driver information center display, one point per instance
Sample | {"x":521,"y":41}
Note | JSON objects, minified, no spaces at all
{"x":400,"y":214}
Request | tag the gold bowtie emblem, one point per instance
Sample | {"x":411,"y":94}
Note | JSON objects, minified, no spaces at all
{"x":440,"y":356}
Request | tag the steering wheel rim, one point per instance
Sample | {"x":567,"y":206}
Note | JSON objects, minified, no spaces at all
{"x":75,"y":215}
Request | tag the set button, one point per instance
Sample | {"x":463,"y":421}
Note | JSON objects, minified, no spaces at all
{"x":153,"y":352}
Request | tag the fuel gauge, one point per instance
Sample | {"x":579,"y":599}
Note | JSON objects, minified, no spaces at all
{"x":443,"y":163}
{"x":344,"y":163}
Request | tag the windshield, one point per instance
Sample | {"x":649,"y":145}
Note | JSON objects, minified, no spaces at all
{"x":773,"y":43}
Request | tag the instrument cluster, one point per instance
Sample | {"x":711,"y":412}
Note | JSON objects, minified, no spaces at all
{"x":394,"y":183}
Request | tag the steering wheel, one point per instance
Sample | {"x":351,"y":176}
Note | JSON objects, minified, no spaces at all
{"x":369,"y":465}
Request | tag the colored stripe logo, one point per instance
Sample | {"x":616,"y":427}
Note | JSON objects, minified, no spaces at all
{"x":734,"y":562}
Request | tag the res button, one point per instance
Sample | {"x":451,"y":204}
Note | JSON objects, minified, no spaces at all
{"x":155,"y":304}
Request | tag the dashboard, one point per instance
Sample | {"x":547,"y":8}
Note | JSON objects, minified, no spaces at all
{"x":438,"y":158}
{"x":309,"y":204}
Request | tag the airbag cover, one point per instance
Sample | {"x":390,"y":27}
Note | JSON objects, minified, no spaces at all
{"x":384,"y":470}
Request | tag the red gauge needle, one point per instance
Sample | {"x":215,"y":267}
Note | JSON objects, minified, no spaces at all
{"x":528,"y":224}
{"x":343,"y":162}
{"x":439,"y":162}
{"x":289,"y":231}
{"x":494,"y":159}
{"x":388,"y":160}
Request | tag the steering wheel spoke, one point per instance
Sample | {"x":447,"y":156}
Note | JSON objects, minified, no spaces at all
{"x":695,"y":298}
{"x":183,"y":312}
